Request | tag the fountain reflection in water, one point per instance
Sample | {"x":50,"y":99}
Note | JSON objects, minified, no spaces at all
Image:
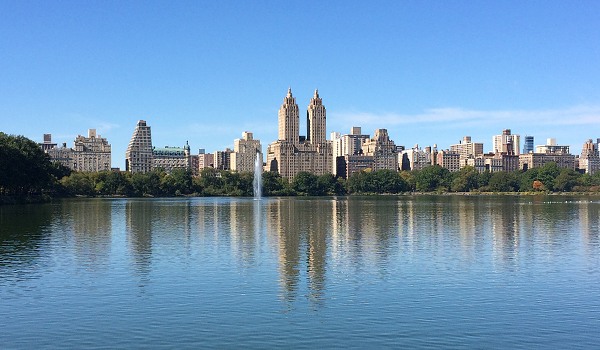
{"x":258,"y":176}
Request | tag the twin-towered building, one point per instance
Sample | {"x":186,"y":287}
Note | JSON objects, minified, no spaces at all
{"x":292,"y":153}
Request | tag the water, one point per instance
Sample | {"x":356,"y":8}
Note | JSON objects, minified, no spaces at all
{"x":257,"y":184}
{"x":362,"y":272}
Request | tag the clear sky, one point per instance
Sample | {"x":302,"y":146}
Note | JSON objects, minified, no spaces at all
{"x":205,"y":71}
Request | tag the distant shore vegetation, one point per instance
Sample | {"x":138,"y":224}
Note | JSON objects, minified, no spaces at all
{"x":27,"y":175}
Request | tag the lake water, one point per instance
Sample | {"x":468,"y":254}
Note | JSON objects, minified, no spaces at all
{"x":438,"y":272}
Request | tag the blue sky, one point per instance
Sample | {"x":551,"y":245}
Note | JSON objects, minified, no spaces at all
{"x":428,"y":71}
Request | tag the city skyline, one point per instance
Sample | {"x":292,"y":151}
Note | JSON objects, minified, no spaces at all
{"x":428,"y":72}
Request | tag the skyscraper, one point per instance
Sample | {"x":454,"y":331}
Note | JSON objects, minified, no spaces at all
{"x":293,"y":153}
{"x":315,"y":120}
{"x":139,"y":156}
{"x":506,"y":143}
{"x":528,"y":144}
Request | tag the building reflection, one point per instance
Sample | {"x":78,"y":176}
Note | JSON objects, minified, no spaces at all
{"x":505,"y":222}
{"x":91,"y":226}
{"x":139,"y":216}
{"x":589,"y":212}
{"x":245,"y":222}
{"x":302,"y":228}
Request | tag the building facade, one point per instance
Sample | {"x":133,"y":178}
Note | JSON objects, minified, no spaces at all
{"x":349,"y":164}
{"x":466,"y":148}
{"x":292,"y":153}
{"x":382,"y":149}
{"x":589,"y":161}
{"x":551,"y":147}
{"x":449,"y":160}
{"x":62,"y":154}
{"x":169,"y":158}
{"x":205,"y":160}
{"x":528,"y":144}
{"x":416,"y":158}
{"x":245,"y":151}
{"x":534,"y":160}
{"x":139,"y":156}
{"x":92,"y":153}
{"x":348,"y":144}
{"x":506,"y":143}
{"x":222,"y":159}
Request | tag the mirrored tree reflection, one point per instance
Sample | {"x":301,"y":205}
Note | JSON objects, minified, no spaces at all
{"x":23,"y":231}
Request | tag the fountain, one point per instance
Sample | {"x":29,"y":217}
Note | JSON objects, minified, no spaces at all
{"x":258,"y":176}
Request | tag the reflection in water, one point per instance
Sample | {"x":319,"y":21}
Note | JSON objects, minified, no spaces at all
{"x":384,"y":272}
{"x":23,"y":231}
{"x":139,"y":216}
{"x":90,"y":224}
{"x":317,"y":242}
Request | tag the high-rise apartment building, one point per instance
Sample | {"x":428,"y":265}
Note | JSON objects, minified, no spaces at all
{"x":292,"y":153}
{"x":382,"y":149}
{"x":589,"y":161}
{"x":449,"y":160}
{"x":139,"y":156}
{"x":92,"y":153}
{"x":205,"y":160}
{"x":506,"y":143}
{"x":348,"y":144}
{"x":222,"y":159}
{"x":528,"y":144}
{"x":245,"y":151}
{"x":466,"y":148}
{"x":416,"y":158}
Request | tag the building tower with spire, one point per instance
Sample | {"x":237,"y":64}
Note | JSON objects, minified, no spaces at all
{"x":293,"y":153}
{"x":289,"y":119}
{"x":315,"y":120}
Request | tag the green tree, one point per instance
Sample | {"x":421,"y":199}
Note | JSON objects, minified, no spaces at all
{"x":272,"y":183}
{"x":466,"y":179}
{"x":566,"y":180}
{"x":78,"y":183}
{"x":305,"y":184}
{"x":547,"y":173}
{"x":182,"y":180}
{"x":431,"y":178}
{"x":24,"y":167}
{"x":502,"y":181}
{"x":409,"y":178}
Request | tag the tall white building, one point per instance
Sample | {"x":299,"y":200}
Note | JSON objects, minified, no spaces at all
{"x":466,"y":148}
{"x":507,"y":143}
{"x":589,"y":161}
{"x":348,"y":144}
{"x":139,"y":156}
{"x":245,"y":151}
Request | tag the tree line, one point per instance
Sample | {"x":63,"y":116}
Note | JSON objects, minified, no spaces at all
{"x":26,"y":170}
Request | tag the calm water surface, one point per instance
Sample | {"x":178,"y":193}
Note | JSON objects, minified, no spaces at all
{"x":362,"y":272}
